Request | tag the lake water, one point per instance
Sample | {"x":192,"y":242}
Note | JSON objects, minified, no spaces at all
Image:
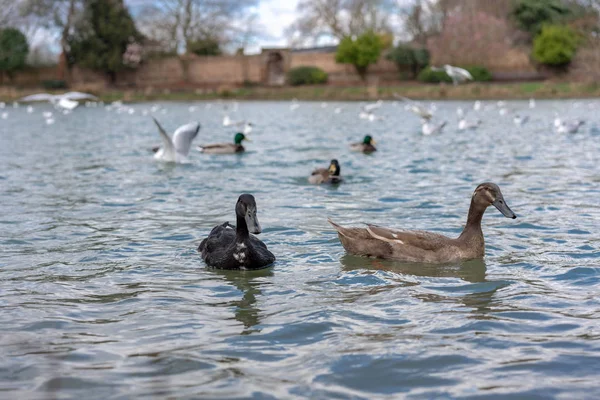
{"x":103,"y":295}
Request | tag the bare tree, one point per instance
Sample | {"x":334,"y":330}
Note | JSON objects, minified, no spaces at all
{"x":341,"y":18}
{"x":56,"y":16}
{"x":9,"y":13}
{"x":177,"y":23}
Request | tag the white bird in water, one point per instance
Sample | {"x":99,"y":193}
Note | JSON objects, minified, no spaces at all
{"x":429,"y":128}
{"x":2,"y":104}
{"x":557,"y":121}
{"x":520,"y":121}
{"x":294,"y":106}
{"x":228,"y":122}
{"x":532,"y":103}
{"x":477,"y":105}
{"x":416,"y":107}
{"x":338,"y":110}
{"x":570,"y":127}
{"x":30,"y":109}
{"x":176,"y":149}
{"x":49,"y":121}
{"x":464,"y":125}
{"x":458,"y":75}
{"x":4,"y":115}
{"x":47,"y":114}
{"x":373,"y":106}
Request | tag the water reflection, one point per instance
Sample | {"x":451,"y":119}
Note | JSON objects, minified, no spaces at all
{"x":471,"y":271}
{"x":249,"y":283}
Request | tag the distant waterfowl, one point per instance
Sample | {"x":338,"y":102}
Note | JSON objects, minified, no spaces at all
{"x":569,"y":127}
{"x":519,"y":120}
{"x":458,"y":75}
{"x":464,"y":124}
{"x":366,"y":146}
{"x":225,"y":148}
{"x":177,"y":148}
{"x":229,"y":247}
{"x":422,"y":246}
{"x":416,"y":107}
{"x":372,"y":106}
{"x":326,"y":175}
{"x":294,"y":105}
{"x":477,"y":105}
{"x":4,"y":115}
{"x":429,"y":128}
{"x":532,"y":103}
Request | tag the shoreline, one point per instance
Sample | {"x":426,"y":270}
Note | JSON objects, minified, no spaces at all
{"x":472,"y":91}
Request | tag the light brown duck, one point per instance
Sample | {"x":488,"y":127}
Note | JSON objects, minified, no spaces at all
{"x":427,"y":247}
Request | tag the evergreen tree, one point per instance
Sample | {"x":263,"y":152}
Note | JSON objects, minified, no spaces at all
{"x":102,"y":36}
{"x":13,"y":50}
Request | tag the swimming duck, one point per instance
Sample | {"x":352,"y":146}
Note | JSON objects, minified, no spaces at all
{"x":326,"y":175}
{"x":177,"y":148}
{"x":229,"y":247}
{"x":427,"y":247}
{"x":366,"y":146}
{"x":226,"y":148}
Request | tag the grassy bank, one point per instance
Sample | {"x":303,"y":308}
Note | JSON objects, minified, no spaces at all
{"x":472,"y":91}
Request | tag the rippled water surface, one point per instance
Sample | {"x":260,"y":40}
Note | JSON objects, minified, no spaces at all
{"x":103,"y":295}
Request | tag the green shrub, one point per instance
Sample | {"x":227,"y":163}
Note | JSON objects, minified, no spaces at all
{"x":406,"y":56}
{"x":480,"y":74}
{"x":54,"y":84}
{"x":430,"y":76}
{"x":555,"y":45}
{"x":13,"y":50}
{"x":360,"y":52}
{"x":306,"y":76}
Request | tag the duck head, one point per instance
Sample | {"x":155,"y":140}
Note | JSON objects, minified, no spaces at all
{"x":334,"y":168}
{"x":246,"y":209}
{"x":488,"y":194}
{"x":239,"y":138}
{"x":368,"y":140}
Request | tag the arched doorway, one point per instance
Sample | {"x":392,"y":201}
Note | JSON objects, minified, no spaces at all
{"x":275,"y":69}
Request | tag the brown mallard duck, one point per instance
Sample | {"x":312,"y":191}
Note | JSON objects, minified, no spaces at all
{"x":225,"y":148}
{"x":326,"y":175}
{"x":427,"y":247}
{"x":366,"y":146}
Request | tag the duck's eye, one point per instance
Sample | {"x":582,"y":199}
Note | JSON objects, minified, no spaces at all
{"x":501,"y":202}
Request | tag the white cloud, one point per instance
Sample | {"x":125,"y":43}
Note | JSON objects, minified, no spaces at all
{"x":275,"y":16}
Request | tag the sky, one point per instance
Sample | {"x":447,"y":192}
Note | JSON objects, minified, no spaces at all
{"x":274,"y":15}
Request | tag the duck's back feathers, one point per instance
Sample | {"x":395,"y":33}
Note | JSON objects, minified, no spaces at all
{"x":409,"y":246}
{"x":363,"y":147}
{"x":220,"y":250}
{"x":323,"y":175}
{"x":221,"y":148}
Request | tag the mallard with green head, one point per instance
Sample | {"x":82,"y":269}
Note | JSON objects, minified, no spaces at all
{"x":233,"y":247}
{"x":427,"y":247}
{"x":326,"y":175}
{"x":225,"y":148}
{"x":366,"y":146}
